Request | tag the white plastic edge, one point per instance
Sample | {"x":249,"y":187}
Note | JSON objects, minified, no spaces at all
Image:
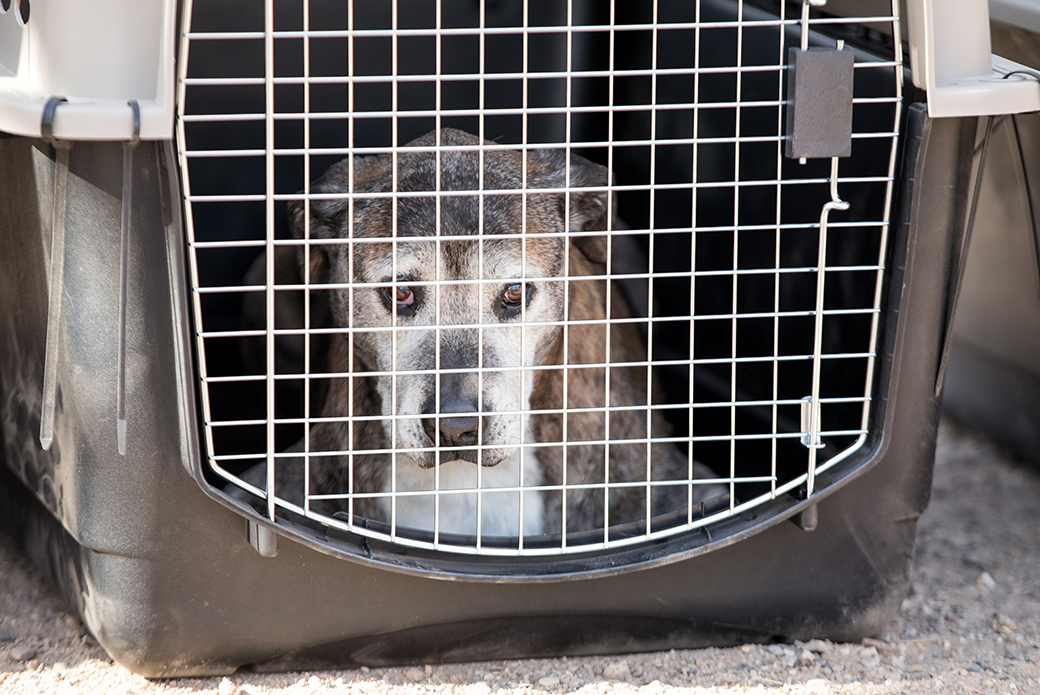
{"x":951,"y":59}
{"x":59,"y":53}
{"x":101,"y":119}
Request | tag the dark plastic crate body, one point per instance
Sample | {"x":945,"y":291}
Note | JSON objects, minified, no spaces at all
{"x":162,"y":570}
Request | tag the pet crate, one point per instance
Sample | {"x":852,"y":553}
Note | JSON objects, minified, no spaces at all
{"x":257,"y":364}
{"x":993,"y":380}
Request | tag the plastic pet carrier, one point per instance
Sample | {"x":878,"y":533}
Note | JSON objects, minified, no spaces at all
{"x":453,"y":331}
{"x":993,"y":373}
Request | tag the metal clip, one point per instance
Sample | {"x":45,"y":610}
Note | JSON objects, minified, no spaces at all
{"x":57,"y":269}
{"x":128,"y":164}
{"x":810,"y":423}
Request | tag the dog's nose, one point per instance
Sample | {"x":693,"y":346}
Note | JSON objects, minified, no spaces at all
{"x":460,"y":430}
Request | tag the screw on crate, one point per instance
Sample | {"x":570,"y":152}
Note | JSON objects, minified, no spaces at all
{"x":57,"y":268}
{"x":128,"y":162}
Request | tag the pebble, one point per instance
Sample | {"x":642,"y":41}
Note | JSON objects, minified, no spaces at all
{"x":416,"y":674}
{"x":549,"y":681}
{"x":228,"y":687}
{"x":806,"y":658}
{"x":894,"y":660}
{"x":22,"y":652}
{"x":6,"y":635}
{"x":817,"y":645}
{"x":618,"y":670}
{"x":869,"y":657}
{"x":1005,"y":625}
{"x":817,"y":686}
{"x":987,"y":581}
{"x":882,"y":647}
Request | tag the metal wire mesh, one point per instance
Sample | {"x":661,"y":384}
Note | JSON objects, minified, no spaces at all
{"x":596,"y":274}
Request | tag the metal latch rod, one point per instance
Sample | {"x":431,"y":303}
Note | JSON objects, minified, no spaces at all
{"x":835,"y":203}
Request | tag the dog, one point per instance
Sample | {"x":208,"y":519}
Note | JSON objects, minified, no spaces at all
{"x":474,"y":349}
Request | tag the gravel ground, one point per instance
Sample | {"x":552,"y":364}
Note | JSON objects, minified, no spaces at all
{"x":970,"y":625}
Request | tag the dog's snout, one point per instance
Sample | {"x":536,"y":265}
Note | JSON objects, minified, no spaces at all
{"x":461,"y":430}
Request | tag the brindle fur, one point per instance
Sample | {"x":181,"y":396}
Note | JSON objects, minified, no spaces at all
{"x":410,"y":231}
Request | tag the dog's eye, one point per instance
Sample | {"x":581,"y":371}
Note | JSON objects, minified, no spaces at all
{"x":513,"y":295}
{"x":401,"y":295}
{"x":404,"y":295}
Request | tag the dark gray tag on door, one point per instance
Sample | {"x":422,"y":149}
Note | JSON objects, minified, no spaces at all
{"x":819,"y":103}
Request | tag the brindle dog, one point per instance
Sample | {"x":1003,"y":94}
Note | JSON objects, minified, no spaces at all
{"x":474,"y":348}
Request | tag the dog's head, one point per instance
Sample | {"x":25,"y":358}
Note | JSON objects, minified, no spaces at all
{"x":447,"y":296}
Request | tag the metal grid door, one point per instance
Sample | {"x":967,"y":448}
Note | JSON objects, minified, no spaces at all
{"x":558,"y":239}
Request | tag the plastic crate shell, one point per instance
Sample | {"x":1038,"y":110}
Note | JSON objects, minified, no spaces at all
{"x":683,"y":108}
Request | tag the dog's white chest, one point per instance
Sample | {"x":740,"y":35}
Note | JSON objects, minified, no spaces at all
{"x":456,"y":503}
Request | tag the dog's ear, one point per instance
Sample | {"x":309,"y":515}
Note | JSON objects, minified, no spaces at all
{"x":328,"y":217}
{"x":589,"y":210}
{"x":318,"y":259}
